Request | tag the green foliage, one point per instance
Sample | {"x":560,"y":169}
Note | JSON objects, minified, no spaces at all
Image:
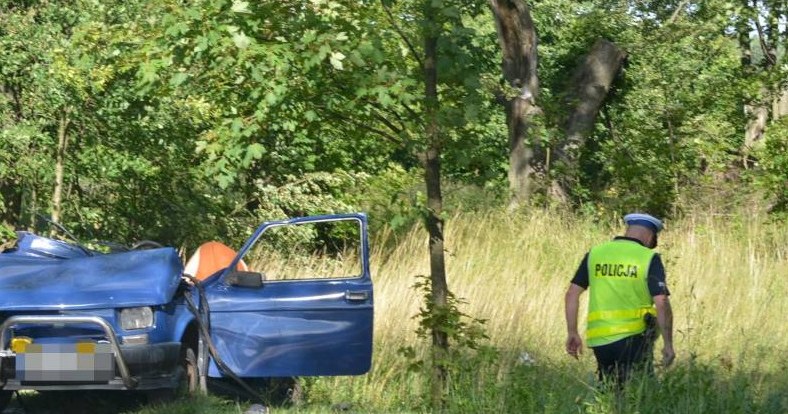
{"x":775,"y":165}
{"x":392,"y":198}
{"x":462,"y":330}
{"x":468,"y":351}
{"x":205,"y":101}
{"x":201,"y":119}
{"x":7,"y":235}
{"x":277,"y":86}
{"x":75,"y":61}
{"x":674,"y":116}
{"x":689,"y":387}
{"x":311,"y":194}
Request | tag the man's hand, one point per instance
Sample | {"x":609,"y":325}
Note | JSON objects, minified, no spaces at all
{"x":574,"y":345}
{"x":668,"y":355}
{"x":665,"y":322}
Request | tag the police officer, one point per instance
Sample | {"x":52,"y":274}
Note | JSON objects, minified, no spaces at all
{"x":626,"y":282}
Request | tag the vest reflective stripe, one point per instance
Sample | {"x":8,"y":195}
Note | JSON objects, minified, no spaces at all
{"x":621,"y":314}
{"x":618,"y":291}
{"x":635,"y":327}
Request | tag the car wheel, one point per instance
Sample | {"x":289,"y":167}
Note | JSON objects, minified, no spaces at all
{"x":188,"y":378}
{"x":283,"y":391}
{"x":5,"y":398}
{"x":295,"y":392}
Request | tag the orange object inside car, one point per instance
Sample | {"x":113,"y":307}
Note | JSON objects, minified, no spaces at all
{"x":209,"y":258}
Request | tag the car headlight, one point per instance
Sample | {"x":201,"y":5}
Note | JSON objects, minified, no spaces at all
{"x":136,"y":318}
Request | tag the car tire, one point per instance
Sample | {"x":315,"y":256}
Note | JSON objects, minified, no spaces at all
{"x":282,"y":391}
{"x":295,"y":392}
{"x":188,"y":379}
{"x":5,"y":398}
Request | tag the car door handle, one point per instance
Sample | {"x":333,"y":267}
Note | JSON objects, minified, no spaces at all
{"x":356,"y":296}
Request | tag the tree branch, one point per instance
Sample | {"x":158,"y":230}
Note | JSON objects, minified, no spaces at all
{"x":382,"y":110}
{"x":387,"y":123}
{"x":401,"y":33}
{"x":762,"y":42}
{"x":391,"y":138}
{"x":377,"y":106}
{"x":677,"y":12}
{"x":411,"y":111}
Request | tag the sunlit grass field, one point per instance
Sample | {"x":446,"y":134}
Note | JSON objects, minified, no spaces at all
{"x":728,"y":276}
{"x":729,"y":282}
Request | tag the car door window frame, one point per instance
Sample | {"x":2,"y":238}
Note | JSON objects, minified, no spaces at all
{"x":360,"y":218}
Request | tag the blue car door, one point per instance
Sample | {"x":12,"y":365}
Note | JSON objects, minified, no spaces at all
{"x":312,"y":312}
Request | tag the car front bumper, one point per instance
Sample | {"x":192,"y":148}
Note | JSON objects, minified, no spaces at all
{"x":136,"y":367}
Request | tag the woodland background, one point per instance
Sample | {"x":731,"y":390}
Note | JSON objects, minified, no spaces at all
{"x":182,"y":122}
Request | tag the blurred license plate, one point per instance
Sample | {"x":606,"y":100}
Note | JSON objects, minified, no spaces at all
{"x":82,"y":362}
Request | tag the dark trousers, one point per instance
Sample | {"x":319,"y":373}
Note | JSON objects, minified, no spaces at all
{"x":616,"y":361}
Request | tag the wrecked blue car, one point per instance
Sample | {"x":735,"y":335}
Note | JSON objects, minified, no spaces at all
{"x":72,"y":318}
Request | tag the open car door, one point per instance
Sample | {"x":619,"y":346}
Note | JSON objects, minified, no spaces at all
{"x":304,"y":306}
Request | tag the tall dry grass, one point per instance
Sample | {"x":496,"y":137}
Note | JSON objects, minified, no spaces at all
{"x":727,"y":275}
{"x":729,"y":280}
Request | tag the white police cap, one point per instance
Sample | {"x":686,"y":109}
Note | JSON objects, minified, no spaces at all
{"x":642,"y":219}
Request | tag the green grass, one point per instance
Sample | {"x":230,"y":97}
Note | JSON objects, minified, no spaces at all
{"x":116,"y":402}
{"x":728,"y":277}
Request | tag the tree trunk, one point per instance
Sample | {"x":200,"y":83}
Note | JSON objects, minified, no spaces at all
{"x":10,"y":202}
{"x":768,"y":37}
{"x":518,"y":38}
{"x":589,"y":88}
{"x":11,"y":193}
{"x":439,"y":287}
{"x":432,"y":178}
{"x":756,"y":127}
{"x":780,"y":105}
{"x":756,"y":123}
{"x":12,"y":95}
{"x":33,"y":206}
{"x":60,"y":160}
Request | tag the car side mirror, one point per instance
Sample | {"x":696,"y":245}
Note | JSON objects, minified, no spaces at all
{"x":241,"y":278}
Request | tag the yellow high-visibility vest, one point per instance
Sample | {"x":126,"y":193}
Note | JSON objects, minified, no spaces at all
{"x":618,"y":291}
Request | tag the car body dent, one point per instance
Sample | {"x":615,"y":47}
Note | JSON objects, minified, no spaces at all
{"x":278,"y":329}
{"x":253,"y":352}
{"x":270,"y":332}
{"x":120,"y":280}
{"x":282,"y":328}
